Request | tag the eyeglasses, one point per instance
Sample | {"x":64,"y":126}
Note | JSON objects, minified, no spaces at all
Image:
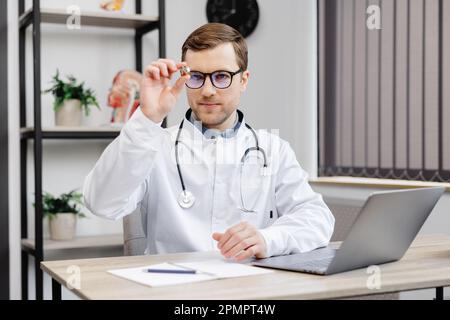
{"x":220,"y":79}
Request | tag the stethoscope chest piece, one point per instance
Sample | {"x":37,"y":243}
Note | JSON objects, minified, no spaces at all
{"x":186,"y":199}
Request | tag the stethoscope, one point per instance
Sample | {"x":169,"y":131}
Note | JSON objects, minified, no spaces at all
{"x":187,"y":199}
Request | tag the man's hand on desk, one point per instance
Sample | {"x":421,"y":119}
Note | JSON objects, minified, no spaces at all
{"x":241,"y":241}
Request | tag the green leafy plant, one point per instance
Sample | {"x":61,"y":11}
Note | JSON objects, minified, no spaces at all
{"x":66,"y":203}
{"x":65,"y":90}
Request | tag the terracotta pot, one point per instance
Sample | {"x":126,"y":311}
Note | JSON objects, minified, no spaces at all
{"x":63,"y":226}
{"x":69,"y":114}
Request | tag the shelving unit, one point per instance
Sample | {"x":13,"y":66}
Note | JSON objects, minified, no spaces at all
{"x":33,"y":17}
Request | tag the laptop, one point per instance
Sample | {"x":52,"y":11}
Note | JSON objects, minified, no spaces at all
{"x":383,"y":231}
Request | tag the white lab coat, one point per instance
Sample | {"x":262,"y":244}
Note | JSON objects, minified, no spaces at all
{"x":138,"y":169}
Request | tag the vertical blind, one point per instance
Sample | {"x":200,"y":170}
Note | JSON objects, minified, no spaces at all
{"x":384,"y":94}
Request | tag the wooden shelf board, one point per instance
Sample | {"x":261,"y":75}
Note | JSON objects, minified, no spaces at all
{"x":114,"y":240}
{"x":95,"y":19}
{"x":74,"y":129}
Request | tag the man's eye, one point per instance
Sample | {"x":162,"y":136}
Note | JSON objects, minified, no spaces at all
{"x":221,"y":76}
{"x":196,"y":76}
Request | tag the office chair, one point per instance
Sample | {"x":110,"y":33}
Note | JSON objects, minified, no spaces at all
{"x":134,"y":235}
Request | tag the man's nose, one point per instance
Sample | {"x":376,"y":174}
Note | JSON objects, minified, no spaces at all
{"x":208,"y":89}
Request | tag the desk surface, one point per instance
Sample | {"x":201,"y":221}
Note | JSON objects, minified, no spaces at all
{"x":425,"y":265}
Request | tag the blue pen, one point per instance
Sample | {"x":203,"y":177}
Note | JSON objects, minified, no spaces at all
{"x":170,"y":271}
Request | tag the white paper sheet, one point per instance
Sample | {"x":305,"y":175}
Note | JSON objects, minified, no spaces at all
{"x":215,"y":269}
{"x":224,"y":269}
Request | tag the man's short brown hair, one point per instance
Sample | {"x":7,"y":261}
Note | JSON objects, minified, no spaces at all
{"x":211,"y":35}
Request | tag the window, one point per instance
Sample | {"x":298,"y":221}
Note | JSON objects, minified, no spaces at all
{"x":384,"y":94}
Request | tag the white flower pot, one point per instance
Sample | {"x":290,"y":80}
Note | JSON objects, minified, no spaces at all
{"x":69,"y":114}
{"x":63,"y":226}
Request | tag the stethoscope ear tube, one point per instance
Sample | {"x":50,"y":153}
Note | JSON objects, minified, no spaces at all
{"x":177,"y":140}
{"x":186,"y":199}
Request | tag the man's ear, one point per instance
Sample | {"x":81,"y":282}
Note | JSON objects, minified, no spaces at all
{"x":244,"y":80}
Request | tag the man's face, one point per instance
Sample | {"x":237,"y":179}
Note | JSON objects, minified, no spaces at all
{"x":215,"y":107}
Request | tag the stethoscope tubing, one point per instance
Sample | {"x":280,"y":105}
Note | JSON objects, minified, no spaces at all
{"x":186,"y":199}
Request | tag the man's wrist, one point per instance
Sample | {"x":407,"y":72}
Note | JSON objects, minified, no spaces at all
{"x":263,"y":253}
{"x":153,"y":117}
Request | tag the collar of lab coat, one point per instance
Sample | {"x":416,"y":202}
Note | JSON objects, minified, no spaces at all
{"x":193,"y":131}
{"x":229,"y":150}
{"x":213,"y":133}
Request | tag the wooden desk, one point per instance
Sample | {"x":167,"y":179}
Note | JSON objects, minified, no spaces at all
{"x":425,"y":265}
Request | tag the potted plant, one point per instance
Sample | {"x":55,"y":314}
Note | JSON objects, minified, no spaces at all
{"x":62,"y":213}
{"x":70,"y":99}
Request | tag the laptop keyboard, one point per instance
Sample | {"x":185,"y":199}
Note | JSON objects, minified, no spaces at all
{"x":316,"y":264}
{"x":320,"y":265}
{"x":316,"y":261}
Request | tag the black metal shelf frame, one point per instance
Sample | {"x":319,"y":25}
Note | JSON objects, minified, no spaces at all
{"x":71,"y":135}
{"x":33,"y":19}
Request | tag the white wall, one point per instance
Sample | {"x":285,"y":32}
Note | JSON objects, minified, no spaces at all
{"x":281,"y":94}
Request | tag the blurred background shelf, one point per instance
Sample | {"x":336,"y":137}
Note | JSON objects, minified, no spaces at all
{"x":93,"y":19}
{"x":99,"y":241}
{"x":104,"y":132}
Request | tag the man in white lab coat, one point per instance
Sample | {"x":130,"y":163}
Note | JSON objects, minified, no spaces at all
{"x":212,"y":181}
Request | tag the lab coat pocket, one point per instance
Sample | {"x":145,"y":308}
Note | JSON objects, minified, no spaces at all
{"x":253,"y":192}
{"x":256,"y":203}
{"x":263,"y":215}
